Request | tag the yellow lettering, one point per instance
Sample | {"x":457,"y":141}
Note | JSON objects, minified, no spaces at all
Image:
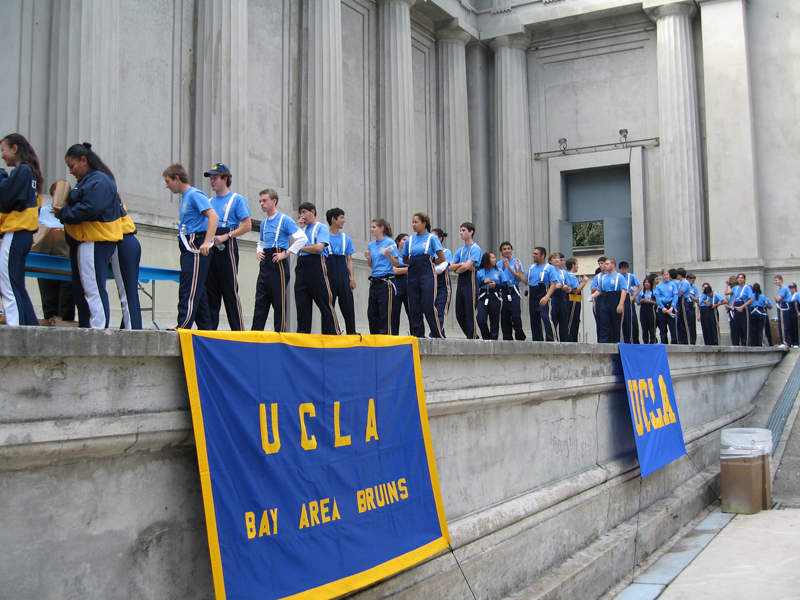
{"x":401,"y":485}
{"x":370,"y":500}
{"x":362,"y":501}
{"x":380,"y":499}
{"x":275,"y":445}
{"x":372,"y":426}
{"x":323,"y":510}
{"x":303,"y":518}
{"x":340,"y":440}
{"x":658,"y":422}
{"x":306,"y":408}
{"x":633,"y":389}
{"x":391,"y":491}
{"x":250,"y":523}
{"x":313,"y":512}
{"x":669,"y":414}
{"x":336,"y":515}
{"x":274,"y":513}
{"x":264,"y":529}
{"x":642,"y":396}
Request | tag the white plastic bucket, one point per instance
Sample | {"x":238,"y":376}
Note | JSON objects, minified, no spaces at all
{"x":745,"y":443}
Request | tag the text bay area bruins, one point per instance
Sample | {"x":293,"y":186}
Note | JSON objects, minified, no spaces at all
{"x":326,"y":510}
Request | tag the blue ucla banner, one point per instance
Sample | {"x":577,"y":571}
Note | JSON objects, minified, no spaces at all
{"x":654,"y":411}
{"x":315,"y":458}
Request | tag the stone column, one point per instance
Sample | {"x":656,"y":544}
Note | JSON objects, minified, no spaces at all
{"x":455,"y":184}
{"x":682,"y":185}
{"x":221,"y":92}
{"x":323,"y":148}
{"x":480,"y":60}
{"x":513,"y":189}
{"x":396,"y":172}
{"x":730,"y":145}
{"x":84,"y":44}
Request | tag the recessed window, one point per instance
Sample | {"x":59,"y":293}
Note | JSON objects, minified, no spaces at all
{"x":588,"y":234}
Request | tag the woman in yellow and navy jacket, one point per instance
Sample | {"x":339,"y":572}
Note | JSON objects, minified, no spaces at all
{"x":20,"y":199}
{"x":93,"y":225}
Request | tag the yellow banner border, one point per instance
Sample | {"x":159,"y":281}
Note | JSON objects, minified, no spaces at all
{"x":353,"y":582}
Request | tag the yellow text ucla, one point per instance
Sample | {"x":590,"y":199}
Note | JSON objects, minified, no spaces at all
{"x":268,"y":524}
{"x":319,"y":512}
{"x":643,"y":402}
{"x":307,"y":411}
{"x":381,"y":495}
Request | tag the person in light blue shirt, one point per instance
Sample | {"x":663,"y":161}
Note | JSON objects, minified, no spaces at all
{"x":465,"y":262}
{"x":666,"y":294}
{"x":222,"y":284}
{"x":787,"y":317}
{"x":630,"y":324}
{"x":311,"y":283}
{"x":279,"y":237}
{"x":443,"y":287}
{"x":758,"y":316}
{"x":401,"y":285}
{"x":710,"y":301}
{"x":382,"y":291}
{"x":197,"y":224}
{"x":686,"y":310}
{"x":742,"y":297}
{"x":576,"y":283}
{"x":511,"y":311}
{"x":493,"y":285}
{"x":340,"y":268}
{"x":648,"y":308}
{"x":422,"y":252}
{"x":541,"y":279}
{"x":612,"y":287}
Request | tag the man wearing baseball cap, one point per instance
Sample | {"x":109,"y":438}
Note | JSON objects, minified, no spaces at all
{"x":222,"y":283}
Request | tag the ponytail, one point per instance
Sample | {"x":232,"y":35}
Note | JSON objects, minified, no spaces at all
{"x":28,"y":156}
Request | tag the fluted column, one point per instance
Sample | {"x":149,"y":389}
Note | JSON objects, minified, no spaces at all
{"x":455,"y":185}
{"x":513,"y":191}
{"x":85,"y":66}
{"x":322,"y":89}
{"x":682,"y":185}
{"x":221,"y":92}
{"x":730,"y":144}
{"x":396,"y":172}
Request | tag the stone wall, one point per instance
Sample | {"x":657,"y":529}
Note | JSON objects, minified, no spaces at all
{"x":101,"y":496}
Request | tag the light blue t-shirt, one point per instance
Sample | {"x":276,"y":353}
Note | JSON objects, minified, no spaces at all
{"x":48,"y":219}
{"x":472,"y":252}
{"x":666,"y":292}
{"x":277,"y":231}
{"x":741,"y":293}
{"x":709,"y":301}
{"x":381,"y":265}
{"x":514,"y":264}
{"x":317,"y":233}
{"x":784,"y":292}
{"x":494,"y":274}
{"x":238,"y":211}
{"x":341,"y":245}
{"x":615,"y":282}
{"x":421,"y":245}
{"x":193,"y":203}
{"x":538,"y":275}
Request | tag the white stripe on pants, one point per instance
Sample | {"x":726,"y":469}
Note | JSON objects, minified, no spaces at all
{"x":9,"y":300}
{"x":91,"y":290}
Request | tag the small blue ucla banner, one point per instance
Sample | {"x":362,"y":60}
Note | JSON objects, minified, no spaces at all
{"x":316,"y":462}
{"x":654,"y":411}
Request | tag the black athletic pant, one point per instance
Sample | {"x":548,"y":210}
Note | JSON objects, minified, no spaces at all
{"x":312,"y":286}
{"x":647,"y":313}
{"x":709,"y":323}
{"x":610,"y":319}
{"x":125,"y":266}
{"x":511,"y":315}
{"x":339,"y":277}
{"x":740,"y":325}
{"x":666,"y":322}
{"x":490,"y":303}
{"x":630,"y":324}
{"x":596,"y":310}
{"x":758,"y":318}
{"x":222,"y":283}
{"x":443,"y":291}
{"x":273,"y":279}
{"x":466,"y":298}
{"x":400,"y":300}
{"x":559,"y":313}
{"x":687,"y":327}
{"x":422,"y":296}
{"x":541,"y":315}
{"x":787,"y":323}
{"x":381,"y":300}
{"x":192,"y":306}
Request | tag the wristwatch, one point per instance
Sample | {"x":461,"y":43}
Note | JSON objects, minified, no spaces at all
{"x":230,"y":235}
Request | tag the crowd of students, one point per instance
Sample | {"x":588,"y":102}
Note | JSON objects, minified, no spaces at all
{"x":410,"y":272}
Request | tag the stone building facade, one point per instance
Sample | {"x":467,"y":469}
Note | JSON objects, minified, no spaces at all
{"x":509,"y":114}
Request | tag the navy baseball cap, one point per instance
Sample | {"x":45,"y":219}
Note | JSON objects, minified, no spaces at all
{"x":794,"y":285}
{"x":217,"y":169}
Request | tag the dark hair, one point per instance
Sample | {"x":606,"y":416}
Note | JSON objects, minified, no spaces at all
{"x":743,"y":275}
{"x":650,"y":279}
{"x":757,"y":290}
{"x":176,"y":171}
{"x":28,"y":156}
{"x":571,"y":262}
{"x":778,"y":277}
{"x":691,"y":276}
{"x":333,"y":213}
{"x":387,"y":227}
{"x":269,"y":192}
{"x":423,"y":216}
{"x":673,"y":273}
{"x":542,"y":251}
{"x":79,"y":151}
{"x":707,"y":289}
{"x":469,"y":226}
{"x":624,"y":265}
{"x":228,"y":178}
{"x":597,"y":270}
{"x":439,"y":233}
{"x":399,"y":237}
{"x":485,"y":260}
{"x":680,"y":271}
{"x":506,"y":244}
{"x":602,"y":259}
{"x":307,"y":206}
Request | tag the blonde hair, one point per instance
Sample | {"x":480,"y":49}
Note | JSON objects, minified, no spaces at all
{"x":60,"y":192}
